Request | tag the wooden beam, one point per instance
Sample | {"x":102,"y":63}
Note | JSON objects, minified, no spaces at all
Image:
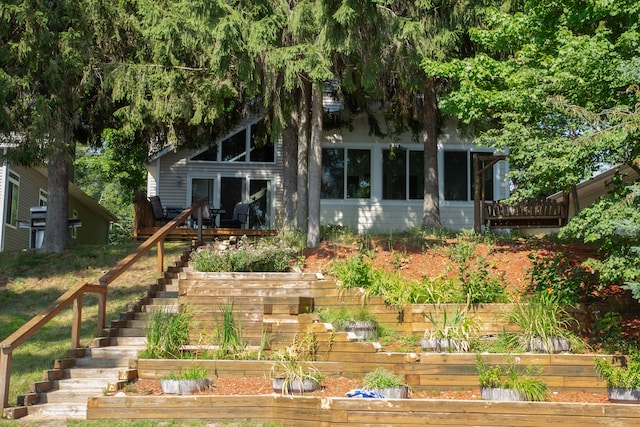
{"x":5,"y":375}
{"x":76,"y":324}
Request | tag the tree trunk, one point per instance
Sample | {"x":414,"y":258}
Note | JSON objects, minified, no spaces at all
{"x":303,"y":153}
{"x":290,"y":174}
{"x":431,"y":203}
{"x":315,"y":168}
{"x":56,"y":233}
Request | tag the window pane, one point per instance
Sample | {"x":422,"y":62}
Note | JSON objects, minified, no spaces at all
{"x":332,"y":173}
{"x":456,"y":175}
{"x":234,"y":148}
{"x":200,"y":188}
{"x":394,"y":174}
{"x":259,"y":198}
{"x":209,"y":155}
{"x":262,"y":149}
{"x":416,"y":174}
{"x":12,"y":204}
{"x":358,"y":174}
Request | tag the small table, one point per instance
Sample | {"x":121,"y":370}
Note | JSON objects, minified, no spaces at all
{"x":213,"y":214}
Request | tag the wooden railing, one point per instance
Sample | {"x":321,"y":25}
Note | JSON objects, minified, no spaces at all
{"x":75,"y":295}
{"x":532,"y":213}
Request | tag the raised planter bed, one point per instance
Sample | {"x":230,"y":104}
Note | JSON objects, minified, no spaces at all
{"x":328,"y":411}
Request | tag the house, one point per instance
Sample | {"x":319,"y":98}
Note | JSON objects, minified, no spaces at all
{"x":369,"y":183}
{"x":23,"y":188}
{"x":596,"y":187}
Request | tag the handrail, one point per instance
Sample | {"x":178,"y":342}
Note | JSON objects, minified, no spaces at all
{"x":75,"y":294}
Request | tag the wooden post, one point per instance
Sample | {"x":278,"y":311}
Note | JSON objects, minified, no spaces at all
{"x":477,"y":225}
{"x":76,"y":324}
{"x":160,"y":261}
{"x":5,"y":374}
{"x":200,"y":223}
{"x":102,"y":312}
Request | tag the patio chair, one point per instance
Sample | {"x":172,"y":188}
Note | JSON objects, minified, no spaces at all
{"x":159,"y":213}
{"x":239,"y":217}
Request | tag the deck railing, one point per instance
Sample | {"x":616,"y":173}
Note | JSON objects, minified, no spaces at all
{"x":75,"y":295}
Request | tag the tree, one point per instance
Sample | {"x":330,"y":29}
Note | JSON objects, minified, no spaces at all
{"x":556,"y":84}
{"x":47,"y":67}
{"x":435,"y":32}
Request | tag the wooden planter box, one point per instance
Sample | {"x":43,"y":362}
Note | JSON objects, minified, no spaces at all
{"x":329,"y":411}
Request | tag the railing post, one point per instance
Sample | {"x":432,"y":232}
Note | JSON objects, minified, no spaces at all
{"x":200,"y":223}
{"x":76,"y":325}
{"x":102,"y":312}
{"x":5,"y":374}
{"x":160,"y":261}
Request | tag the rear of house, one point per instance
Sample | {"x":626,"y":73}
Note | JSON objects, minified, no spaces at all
{"x":370,"y":183}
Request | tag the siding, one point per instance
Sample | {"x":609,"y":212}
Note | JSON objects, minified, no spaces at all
{"x":30,"y":184}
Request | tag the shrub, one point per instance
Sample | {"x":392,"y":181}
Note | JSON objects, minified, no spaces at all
{"x":166,"y":333}
{"x":526,"y":380}
{"x":381,"y":378}
{"x":623,"y":376}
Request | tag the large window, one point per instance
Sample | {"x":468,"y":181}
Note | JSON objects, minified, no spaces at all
{"x":352,"y":183}
{"x":458,"y":176}
{"x":402,"y":174}
{"x":238,"y":148}
{"x":13,"y":192}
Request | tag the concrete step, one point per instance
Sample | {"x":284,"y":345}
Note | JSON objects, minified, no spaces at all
{"x":140,"y":342}
{"x":167,"y":294}
{"x":138,"y":323}
{"x":95,"y":384}
{"x":169,"y":307}
{"x":120,"y":352}
{"x":91,"y":372}
{"x":70,"y":396}
{"x":58,"y":411}
{"x":132,"y":332}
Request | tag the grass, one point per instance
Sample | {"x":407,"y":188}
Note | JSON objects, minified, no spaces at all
{"x":31,"y":281}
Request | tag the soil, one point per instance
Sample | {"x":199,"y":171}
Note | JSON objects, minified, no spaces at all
{"x":416,"y":260}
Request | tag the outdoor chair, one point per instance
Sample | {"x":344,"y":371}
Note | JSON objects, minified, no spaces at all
{"x":239,"y":217}
{"x":158,"y":212}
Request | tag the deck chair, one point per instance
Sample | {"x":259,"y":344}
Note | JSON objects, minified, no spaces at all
{"x":158,"y":212}
{"x":239,"y":217}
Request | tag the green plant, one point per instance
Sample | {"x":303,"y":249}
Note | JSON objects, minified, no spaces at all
{"x":541,"y":317}
{"x":572,"y":284}
{"x":293,"y":366}
{"x":626,"y":374}
{"x":167,"y":332}
{"x":458,"y":326}
{"x":381,"y":378}
{"x":525,"y":380}
{"x":478,"y":285}
{"x":231,"y":344}
{"x":609,"y":333}
{"x":193,"y":373}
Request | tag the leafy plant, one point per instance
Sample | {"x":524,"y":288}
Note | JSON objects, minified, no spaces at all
{"x":572,"y":284}
{"x":167,"y":332}
{"x":609,"y":335}
{"x":541,"y":317}
{"x":623,"y":375}
{"x":277,"y":255}
{"x":525,"y":381}
{"x":478,"y":285}
{"x":457,"y":326}
{"x":381,"y":378}
{"x":193,"y":373}
{"x":293,"y":365}
{"x":231,"y":344}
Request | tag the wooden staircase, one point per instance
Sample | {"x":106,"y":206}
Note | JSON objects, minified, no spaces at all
{"x":106,"y":366}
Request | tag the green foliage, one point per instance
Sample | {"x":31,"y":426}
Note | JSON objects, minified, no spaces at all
{"x":293,"y":362}
{"x":338,"y":234}
{"x":231,"y":344}
{"x":524,"y":380}
{"x":264,"y":255}
{"x":609,"y":334}
{"x":458,"y":325}
{"x":381,"y":378}
{"x":555,"y":274}
{"x":478,"y":285}
{"x":167,"y":332}
{"x":624,"y":375}
{"x":541,"y":317}
{"x":193,"y":373}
